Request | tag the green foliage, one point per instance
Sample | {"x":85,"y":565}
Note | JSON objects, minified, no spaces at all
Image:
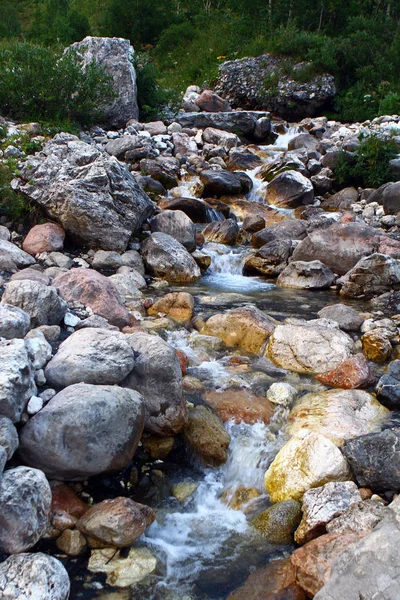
{"x":39,"y":84}
{"x":152,"y":98}
{"x":12,"y":205}
{"x":370,"y":167}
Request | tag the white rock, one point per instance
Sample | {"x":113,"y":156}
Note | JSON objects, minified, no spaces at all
{"x":34,"y":405}
{"x":281,"y":393}
{"x":71,"y":320}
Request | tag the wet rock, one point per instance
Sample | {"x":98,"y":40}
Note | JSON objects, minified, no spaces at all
{"x":72,"y":542}
{"x":274,"y":581}
{"x":289,"y":190}
{"x":253,"y":223}
{"x":182,"y":491}
{"x":242,"y":159}
{"x":371,"y":276}
{"x":8,"y":437}
{"x":376,"y":345}
{"x":347,"y":317}
{"x":313,"y":562}
{"x":358,"y":517}
{"x":306,"y":461}
{"x":246,"y":327}
{"x":279,"y":522}
{"x":242,"y":123}
{"x":321,"y":505}
{"x":117,"y":523}
{"x":178,"y":306}
{"x":91,"y":194}
{"x":14,"y":322}
{"x":157,"y":376}
{"x":281,"y":393}
{"x":12,"y":257}
{"x":163,"y":172}
{"x":339,"y":415}
{"x":40,"y":302}
{"x":115,"y":56}
{"x":167,"y":258}
{"x":123,"y":572}
{"x":16,"y":378}
{"x":31,"y":576}
{"x":375,"y":459}
{"x":287,"y":230}
{"x":342,"y":245}
{"x":48,"y":237}
{"x":240,"y":405}
{"x":355,"y":372}
{"x":220,"y":183}
{"x":309,"y":347}
{"x":84,"y":430}
{"x":270,"y":260}
{"x":64,"y":499}
{"x":84,"y":357}
{"x":306,"y":275}
{"x":194,"y":208}
{"x":222,"y":232}
{"x":206,"y":436}
{"x":221,"y":138}
{"x":94,"y":290}
{"x":176,"y":224}
{"x":25,"y":504}
{"x":158,"y":447}
{"x":388,"y":388}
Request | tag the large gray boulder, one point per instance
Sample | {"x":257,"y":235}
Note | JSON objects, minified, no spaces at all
{"x":41,"y":302}
{"x":14,"y":322}
{"x":311,"y":275}
{"x":166,"y":257}
{"x":84,"y":430}
{"x":8,"y":437}
{"x":33,"y":577}
{"x":243,"y":123}
{"x":289,"y":190}
{"x":115,"y":55}
{"x":97,"y":356}
{"x":371,"y":276}
{"x":176,"y":224}
{"x":12,"y":257}
{"x":91,"y":194}
{"x":25,"y":507}
{"x":16,"y":378}
{"x":157,"y":376}
{"x":243,"y":83}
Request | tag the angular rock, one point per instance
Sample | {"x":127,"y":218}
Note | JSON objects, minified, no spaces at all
{"x":222,"y":232}
{"x":41,"y":302}
{"x":16,"y":378}
{"x":97,"y":356}
{"x":289,"y":190}
{"x":127,"y":285}
{"x":39,"y":350}
{"x":311,"y":275}
{"x":206,"y":436}
{"x":347,"y":317}
{"x":270,"y":260}
{"x":309,"y":347}
{"x":12,"y":257}
{"x":14,"y":322}
{"x":92,"y":195}
{"x":94,"y":290}
{"x":183,"y":144}
{"x":242,"y":123}
{"x":371,"y":276}
{"x":376,"y":345}
{"x":355,"y":372}
{"x":178,"y":306}
{"x":123,"y":572}
{"x":359,"y":517}
{"x":194,"y":208}
{"x":107,"y":260}
{"x":388,"y":388}
{"x":246,"y":327}
{"x":253,"y":223}
{"x":84,"y":430}
{"x":176,"y":224}
{"x":33,"y":576}
{"x":167,"y":258}
{"x":391,"y":199}
{"x":157,"y":376}
{"x":291,"y":229}
{"x":221,"y":138}
{"x":72,"y":542}
{"x":278,"y":523}
{"x":209,"y":101}
{"x":321,"y":505}
{"x":115,"y":56}
{"x":32,"y":274}
{"x":339,"y":415}
{"x":306,"y":461}
{"x":8,"y":437}
{"x":25,"y":505}
{"x":48,"y":237}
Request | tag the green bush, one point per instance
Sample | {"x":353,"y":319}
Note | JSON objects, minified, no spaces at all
{"x":12,"y":205}
{"x":38,"y":84}
{"x":152,"y":98}
{"x":370,"y":167}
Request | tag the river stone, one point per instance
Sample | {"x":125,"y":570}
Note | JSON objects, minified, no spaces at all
{"x":91,"y":194}
{"x":176,"y":224}
{"x":16,"y":378}
{"x":42,"y":303}
{"x":321,"y":505}
{"x":347,"y":317}
{"x":84,"y":357}
{"x":84,"y":430}
{"x":94,"y":290}
{"x":306,"y":275}
{"x":178,"y":306}
{"x":123,"y":572}
{"x":47,"y":237}
{"x":281,"y":393}
{"x":39,"y":350}
{"x":165,"y":257}
{"x":209,"y":101}
{"x":33,"y":577}
{"x":245,"y":327}
{"x":8,"y":437}
{"x":376,"y":345}
{"x":206,"y":436}
{"x":371,"y":276}
{"x":359,"y":517}
{"x":291,"y":229}
{"x":13,"y":257}
{"x":342,"y":245}
{"x":289,"y":190}
{"x":32,"y":274}
{"x":157,"y":376}
{"x":127,"y":284}
{"x":14,"y":322}
{"x":72,"y":542}
{"x":222,"y":232}
{"x":25,"y":506}
{"x":353,"y":373}
{"x":313,"y":562}
{"x":270,"y":260}
{"x":339,"y":415}
{"x":241,"y":405}
{"x":388,"y":388}
{"x":220,"y":183}
{"x":221,"y":138}
{"x":279,"y":521}
{"x":116,"y":523}
{"x":194,"y":208}
{"x":306,"y":461}
{"x":309,"y":347}
{"x":375,"y":459}
{"x":106,"y":260}
{"x":132,"y":258}
{"x":115,"y":55}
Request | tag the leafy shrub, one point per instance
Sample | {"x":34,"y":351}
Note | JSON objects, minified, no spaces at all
{"x":12,"y":205}
{"x":39,"y":84}
{"x":152,"y":98}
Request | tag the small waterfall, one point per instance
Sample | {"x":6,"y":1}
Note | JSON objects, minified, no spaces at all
{"x":283,"y":139}
{"x":214,"y":215}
